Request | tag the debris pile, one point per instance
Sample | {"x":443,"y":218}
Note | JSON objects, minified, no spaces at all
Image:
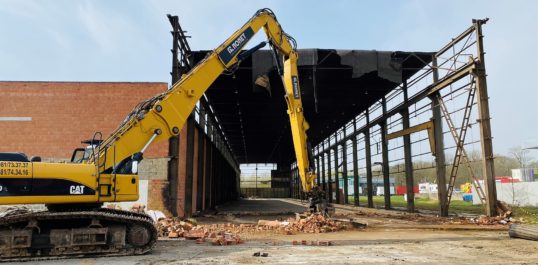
{"x":227,"y":234}
{"x":113,"y":206}
{"x":138,"y":208}
{"x":494,"y":220}
{"x":217,"y":234}
{"x":312,"y":223}
{"x":504,"y":217}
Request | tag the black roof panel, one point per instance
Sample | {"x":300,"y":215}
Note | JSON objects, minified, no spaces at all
{"x":336,"y":85}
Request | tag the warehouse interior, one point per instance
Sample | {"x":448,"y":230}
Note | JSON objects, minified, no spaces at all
{"x":353,"y":100}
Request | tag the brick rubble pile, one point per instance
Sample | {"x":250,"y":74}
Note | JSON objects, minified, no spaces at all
{"x":228,"y":234}
{"x":504,"y":217}
{"x":221,"y":234}
{"x":313,"y":223}
{"x":494,"y":220}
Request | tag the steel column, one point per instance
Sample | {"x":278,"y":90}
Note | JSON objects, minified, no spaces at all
{"x":344,"y":171}
{"x":208,"y":173}
{"x":189,"y":172}
{"x":409,"y":178}
{"x":323,"y":177}
{"x":385,"y":164}
{"x":291,"y":183}
{"x":317,"y":171}
{"x":484,"y":123}
{"x":368,"y":157}
{"x":355,"y":173}
{"x":296,"y":186}
{"x":439,"y":145}
{"x":173,"y":142}
{"x":172,"y":176}
{"x":299,"y":186}
{"x":385,"y":156}
{"x":200,"y":171}
{"x":336,"y":177}
{"x":329,"y":175}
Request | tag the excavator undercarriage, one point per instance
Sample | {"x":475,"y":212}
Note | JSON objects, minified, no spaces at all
{"x":47,"y":234}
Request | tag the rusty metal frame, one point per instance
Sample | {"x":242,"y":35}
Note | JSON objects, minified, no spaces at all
{"x":454,"y":70}
{"x":425,"y":126}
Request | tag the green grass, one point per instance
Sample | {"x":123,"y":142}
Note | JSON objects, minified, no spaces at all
{"x":425,"y":204}
{"x":529,"y":214}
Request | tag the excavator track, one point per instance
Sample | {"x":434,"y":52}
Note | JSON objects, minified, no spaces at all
{"x":57,"y":235}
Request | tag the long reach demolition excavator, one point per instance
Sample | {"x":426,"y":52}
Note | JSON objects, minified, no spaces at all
{"x":75,"y":224}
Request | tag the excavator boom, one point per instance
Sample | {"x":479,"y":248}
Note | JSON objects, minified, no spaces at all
{"x":163,"y":116}
{"x":74,"y":192}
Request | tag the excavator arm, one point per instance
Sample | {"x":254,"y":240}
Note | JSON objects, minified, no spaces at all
{"x":74,"y":192}
{"x":163,"y":116}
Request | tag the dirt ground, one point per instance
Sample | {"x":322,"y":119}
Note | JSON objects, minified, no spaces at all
{"x":391,"y":237}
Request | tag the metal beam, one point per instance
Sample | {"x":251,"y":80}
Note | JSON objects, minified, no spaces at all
{"x":439,"y":146}
{"x":385,"y":157}
{"x":323,"y":177}
{"x":344,"y":172}
{"x":452,"y":78}
{"x":408,"y":157}
{"x":317,"y":171}
{"x":330,"y":188}
{"x":355,"y":173}
{"x":455,"y":40}
{"x":200,"y":172}
{"x":484,"y":123}
{"x":368,"y":157}
{"x":189,"y":160}
{"x":417,"y":128}
{"x":426,"y":92}
{"x":336,"y":177}
{"x":208,"y":172}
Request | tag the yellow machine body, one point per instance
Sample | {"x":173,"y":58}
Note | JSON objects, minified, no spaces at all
{"x":61,"y":183}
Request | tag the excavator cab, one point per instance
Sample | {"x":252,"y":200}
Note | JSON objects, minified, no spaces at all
{"x":81,"y":155}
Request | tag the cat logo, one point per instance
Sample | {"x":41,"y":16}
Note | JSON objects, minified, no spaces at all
{"x":76,"y":190}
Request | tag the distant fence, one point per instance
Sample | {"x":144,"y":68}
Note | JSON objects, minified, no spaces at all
{"x":517,"y":193}
{"x":266,"y":192}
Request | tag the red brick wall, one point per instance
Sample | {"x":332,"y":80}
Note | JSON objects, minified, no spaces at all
{"x":64,"y":113}
{"x":182,"y":172}
{"x":195,"y":172}
{"x":157,"y":193}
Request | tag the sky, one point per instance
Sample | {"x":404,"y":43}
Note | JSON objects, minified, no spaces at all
{"x":112,"y":40}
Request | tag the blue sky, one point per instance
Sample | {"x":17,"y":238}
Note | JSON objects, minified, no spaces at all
{"x":130,"y":41}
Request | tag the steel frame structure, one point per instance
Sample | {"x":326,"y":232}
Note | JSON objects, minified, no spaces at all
{"x":433,"y":94}
{"x":210,"y":167}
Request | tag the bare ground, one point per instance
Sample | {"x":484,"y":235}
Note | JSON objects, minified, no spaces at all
{"x":390,"y":238}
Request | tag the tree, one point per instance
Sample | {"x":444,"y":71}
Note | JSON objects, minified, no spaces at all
{"x":521,"y":155}
{"x":504,"y":165}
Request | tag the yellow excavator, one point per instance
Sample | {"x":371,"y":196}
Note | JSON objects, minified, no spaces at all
{"x":75,"y":224}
